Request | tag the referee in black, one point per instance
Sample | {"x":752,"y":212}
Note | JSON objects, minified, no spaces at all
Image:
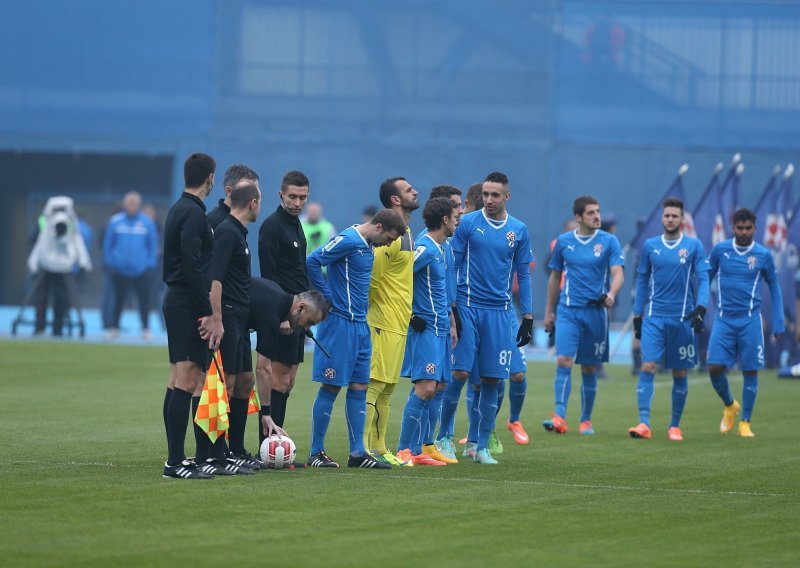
{"x":191,"y":327}
{"x":230,"y":298}
{"x":282,"y":258}
{"x":270,"y":306}
{"x":237,"y":173}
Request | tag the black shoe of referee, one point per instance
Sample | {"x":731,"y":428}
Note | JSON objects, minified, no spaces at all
{"x":187,"y":469}
{"x":250,"y":460}
{"x":366,"y":462}
{"x":217,"y":467}
{"x":240,"y":463}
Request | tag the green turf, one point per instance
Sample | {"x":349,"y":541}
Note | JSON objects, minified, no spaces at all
{"x":80,"y":482}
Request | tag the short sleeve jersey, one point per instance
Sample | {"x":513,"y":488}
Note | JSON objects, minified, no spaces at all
{"x":585,"y":262}
{"x":486,"y":256}
{"x":349,"y":259}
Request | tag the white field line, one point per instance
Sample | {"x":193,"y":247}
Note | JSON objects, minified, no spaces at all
{"x":590,"y":486}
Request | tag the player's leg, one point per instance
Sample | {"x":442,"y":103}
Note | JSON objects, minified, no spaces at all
{"x":681,"y":355}
{"x":517,"y":389}
{"x":722,"y":353}
{"x":592,"y":353}
{"x":495,"y":445}
{"x":173,"y":373}
{"x":751,"y":348}
{"x":289,"y":355}
{"x":463,"y":361}
{"x":441,"y":373}
{"x":652,"y":344}
{"x":568,"y":335}
{"x":473,"y":416}
{"x":385,"y":369}
{"x":494,"y":355}
{"x":680,"y":390}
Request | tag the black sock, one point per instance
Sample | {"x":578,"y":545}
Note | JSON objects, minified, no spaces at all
{"x":261,"y":436}
{"x":166,"y":406}
{"x":177,"y":419}
{"x":201,"y":441}
{"x":238,"y":422}
{"x":278,"y":404}
{"x":220,"y":449}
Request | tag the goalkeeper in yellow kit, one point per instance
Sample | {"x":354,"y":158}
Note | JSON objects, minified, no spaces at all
{"x":390,"y":294}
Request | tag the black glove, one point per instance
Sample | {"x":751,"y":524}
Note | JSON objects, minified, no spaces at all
{"x":417,"y":323}
{"x":525,"y":332}
{"x":551,"y":333}
{"x":698,"y":319}
{"x":599,"y":302}
{"x":637,"y":327}
{"x":457,"y":319}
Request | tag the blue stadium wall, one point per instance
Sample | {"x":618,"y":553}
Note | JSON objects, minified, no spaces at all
{"x":567,"y":97}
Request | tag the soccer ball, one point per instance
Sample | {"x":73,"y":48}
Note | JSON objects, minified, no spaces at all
{"x":277,"y":452}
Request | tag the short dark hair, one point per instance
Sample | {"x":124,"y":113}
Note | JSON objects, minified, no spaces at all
{"x":238,"y":172}
{"x":435,"y":211}
{"x":370,"y":211}
{"x":390,"y":220}
{"x":579,"y":205}
{"x":388,"y":189}
{"x":497,"y":177}
{"x":444,"y":191}
{"x":317,"y":302}
{"x":744,"y":215}
{"x":475,"y":195}
{"x":672,"y":202}
{"x":295,"y":178}
{"x":243,"y":194}
{"x":197,"y":168}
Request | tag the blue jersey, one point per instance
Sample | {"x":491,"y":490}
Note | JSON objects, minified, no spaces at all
{"x":430,"y":285}
{"x":349,"y":259}
{"x":486,"y":256}
{"x":450,"y":261}
{"x":585,"y":262}
{"x":740,"y":274}
{"x":664,"y":278}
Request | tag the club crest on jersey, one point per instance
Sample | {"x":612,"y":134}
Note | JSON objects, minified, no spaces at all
{"x":430,"y":368}
{"x":683,"y":254}
{"x":598,"y":250}
{"x":751,"y":262}
{"x":511,"y":237}
{"x":332,"y":243}
{"x":330,"y":373}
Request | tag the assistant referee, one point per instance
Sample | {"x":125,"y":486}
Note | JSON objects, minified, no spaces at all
{"x":191,"y":328}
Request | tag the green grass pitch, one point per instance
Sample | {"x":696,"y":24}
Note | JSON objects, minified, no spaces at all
{"x":83,"y":444}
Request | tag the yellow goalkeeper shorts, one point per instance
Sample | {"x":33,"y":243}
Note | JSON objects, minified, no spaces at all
{"x":388,"y":349}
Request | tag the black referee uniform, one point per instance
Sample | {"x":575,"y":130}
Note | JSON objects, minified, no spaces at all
{"x":218,"y":214}
{"x":282,"y":259}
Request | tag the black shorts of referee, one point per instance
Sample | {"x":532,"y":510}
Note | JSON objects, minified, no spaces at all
{"x":290,"y":349}
{"x":235,"y":347}
{"x":183,"y":328}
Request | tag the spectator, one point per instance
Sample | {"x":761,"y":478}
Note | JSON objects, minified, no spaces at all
{"x":316,"y":228}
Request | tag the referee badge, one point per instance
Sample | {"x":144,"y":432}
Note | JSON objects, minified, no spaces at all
{"x":598,"y":250}
{"x":511,"y":237}
{"x":330,"y":373}
{"x":430,"y":368}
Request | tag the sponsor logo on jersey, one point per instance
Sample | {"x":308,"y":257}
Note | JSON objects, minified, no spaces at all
{"x":598,"y":250}
{"x":330,"y":373}
{"x":751,"y":262}
{"x":418,"y":251}
{"x":332,"y":243}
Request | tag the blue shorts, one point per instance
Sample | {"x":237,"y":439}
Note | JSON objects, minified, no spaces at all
{"x":672,"y":336}
{"x":582,"y":333}
{"x":733,"y":337}
{"x":350,"y":347}
{"x":427,"y":357}
{"x":485,"y":339}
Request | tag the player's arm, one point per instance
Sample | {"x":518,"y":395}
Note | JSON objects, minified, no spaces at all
{"x":701,"y":271}
{"x":771,"y":278}
{"x":713,"y":263}
{"x":523,"y":257}
{"x":337,"y":248}
{"x":616,"y":266}
{"x":459,"y":244}
{"x":556,"y":266}
{"x":642,"y":278}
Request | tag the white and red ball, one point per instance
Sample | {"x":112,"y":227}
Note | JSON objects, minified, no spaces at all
{"x":277,"y":452}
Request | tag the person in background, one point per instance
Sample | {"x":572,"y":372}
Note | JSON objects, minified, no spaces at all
{"x":316,"y":228}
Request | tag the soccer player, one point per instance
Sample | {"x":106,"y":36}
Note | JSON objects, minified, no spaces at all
{"x":230,"y":301}
{"x":489,"y":245}
{"x":191,"y":328}
{"x":234,"y":175}
{"x":270,"y":306}
{"x":345,"y":333}
{"x":740,"y":263}
{"x":388,"y":316}
{"x":670,"y":267}
{"x":282,"y":259}
{"x":585,"y":257}
{"x":427,"y":354}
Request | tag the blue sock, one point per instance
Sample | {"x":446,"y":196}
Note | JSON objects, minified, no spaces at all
{"x":470,"y":400}
{"x":749,"y":392}
{"x":562,"y":387}
{"x":720,"y":383}
{"x":501,"y":394}
{"x":355,"y":411}
{"x":474,"y":415}
{"x":680,"y":388}
{"x":588,"y":393}
{"x":487,"y":412}
{"x":644,"y":395}
{"x":320,"y":418}
{"x":434,"y":412}
{"x":516,"y":397}
{"x":452,"y":393}
{"x":411,"y":424}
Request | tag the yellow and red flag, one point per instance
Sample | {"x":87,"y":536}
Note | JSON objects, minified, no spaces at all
{"x":212,"y":412}
{"x":254,"y":404}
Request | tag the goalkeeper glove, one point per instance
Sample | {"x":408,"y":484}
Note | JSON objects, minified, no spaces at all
{"x":637,"y":327}
{"x":598,"y":302}
{"x":698,"y":317}
{"x":417,"y":323}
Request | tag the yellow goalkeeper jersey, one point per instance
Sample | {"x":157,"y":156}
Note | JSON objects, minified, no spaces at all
{"x":391,"y":285}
